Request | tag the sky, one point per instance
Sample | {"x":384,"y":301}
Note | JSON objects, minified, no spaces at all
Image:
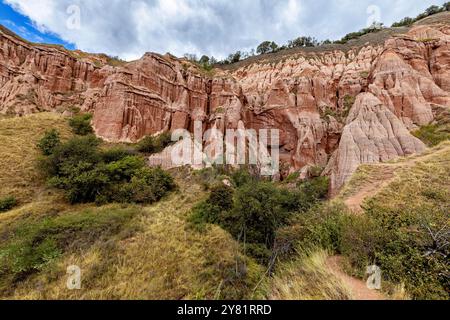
{"x":129,"y":28}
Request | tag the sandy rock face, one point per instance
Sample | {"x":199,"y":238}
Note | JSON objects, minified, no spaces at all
{"x":373,"y":134}
{"x":333,"y":109}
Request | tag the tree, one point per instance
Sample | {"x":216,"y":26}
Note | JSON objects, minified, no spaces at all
{"x":446,"y":6}
{"x":264,"y":47}
{"x":433,"y":10}
{"x":204,"y":60}
{"x":303,"y":42}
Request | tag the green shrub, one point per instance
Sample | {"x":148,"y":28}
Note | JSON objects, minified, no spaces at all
{"x":242,"y":177}
{"x":405,"y":22}
{"x":146,"y":186}
{"x":81,"y":124}
{"x":88,"y":174}
{"x":7,"y":203}
{"x":316,"y":189}
{"x":49,"y":142}
{"x":257,"y":212}
{"x":116,"y":154}
{"x":124,"y":169}
{"x":152,"y":144}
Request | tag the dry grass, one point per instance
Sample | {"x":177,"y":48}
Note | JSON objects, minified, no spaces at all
{"x":155,"y":256}
{"x":159,"y":259}
{"x":308,"y":278}
{"x":384,"y":173}
{"x":19,"y":176}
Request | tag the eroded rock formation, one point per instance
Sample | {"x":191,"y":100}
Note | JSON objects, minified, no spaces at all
{"x":335,"y":109}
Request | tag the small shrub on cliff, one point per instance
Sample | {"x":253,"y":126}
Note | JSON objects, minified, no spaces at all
{"x":7,"y":203}
{"x":49,"y":142}
{"x":81,"y":124}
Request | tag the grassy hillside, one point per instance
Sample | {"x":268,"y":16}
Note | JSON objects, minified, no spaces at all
{"x":18,"y":153}
{"x":394,"y":215}
{"x":124,"y":251}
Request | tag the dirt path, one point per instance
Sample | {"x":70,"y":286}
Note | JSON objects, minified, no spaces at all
{"x":370,"y":189}
{"x":385,"y":175}
{"x":357,"y":287}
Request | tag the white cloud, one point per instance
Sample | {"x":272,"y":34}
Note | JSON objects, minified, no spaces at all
{"x":129,"y":28}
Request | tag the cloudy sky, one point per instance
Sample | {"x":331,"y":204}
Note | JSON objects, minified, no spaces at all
{"x":129,"y":28}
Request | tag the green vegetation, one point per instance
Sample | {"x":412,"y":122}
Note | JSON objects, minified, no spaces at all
{"x":406,"y":22}
{"x":404,"y":230}
{"x":88,"y":174}
{"x":124,"y":251}
{"x":49,"y":142}
{"x":19,"y":137}
{"x":81,"y":124}
{"x":270,"y":47}
{"x":436,"y":132}
{"x":376,"y":27}
{"x":255,"y":209}
{"x":432,"y":134}
{"x":152,"y":144}
{"x":31,"y":247}
{"x":7,"y":203}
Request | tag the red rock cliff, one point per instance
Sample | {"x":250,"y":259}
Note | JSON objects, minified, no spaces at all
{"x":336,"y":109}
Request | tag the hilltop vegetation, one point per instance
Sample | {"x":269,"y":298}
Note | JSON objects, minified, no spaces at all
{"x":271,"y":47}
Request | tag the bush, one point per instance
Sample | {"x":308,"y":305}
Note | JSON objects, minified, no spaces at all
{"x":250,"y":214}
{"x":147,"y":186}
{"x":152,"y":144}
{"x":88,"y":174}
{"x":81,"y":124}
{"x":116,"y":154}
{"x":49,"y":142}
{"x":256,"y":210}
{"x":7,"y":203}
{"x":404,"y":22}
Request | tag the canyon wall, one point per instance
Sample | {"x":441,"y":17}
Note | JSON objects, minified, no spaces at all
{"x":334,"y":109}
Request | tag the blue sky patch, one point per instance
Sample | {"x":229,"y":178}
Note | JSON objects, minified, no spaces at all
{"x":25,"y":28}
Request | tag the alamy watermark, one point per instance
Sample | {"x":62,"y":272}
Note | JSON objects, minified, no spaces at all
{"x":74,"y":278}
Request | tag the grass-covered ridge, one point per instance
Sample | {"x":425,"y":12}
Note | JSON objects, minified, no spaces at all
{"x":402,"y":225}
{"x":19,"y":137}
{"x":125,"y":251}
{"x":223,"y":233}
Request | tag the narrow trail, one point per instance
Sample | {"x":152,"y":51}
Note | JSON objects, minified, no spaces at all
{"x":357,"y":287}
{"x":385,"y":175}
{"x":370,"y":189}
